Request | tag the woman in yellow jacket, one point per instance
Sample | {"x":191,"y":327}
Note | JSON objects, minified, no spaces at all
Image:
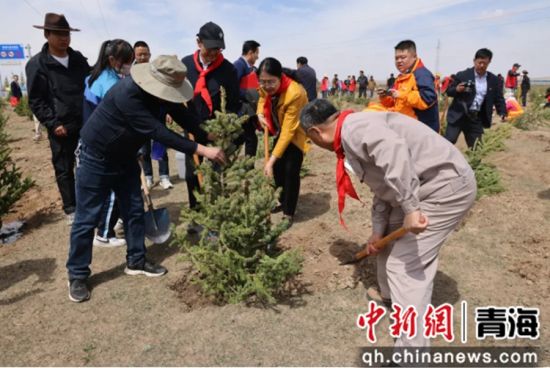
{"x":281,"y":101}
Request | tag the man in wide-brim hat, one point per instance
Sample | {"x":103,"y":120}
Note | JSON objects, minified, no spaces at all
{"x":55,"y":80}
{"x":134,"y":110}
{"x":56,"y":22}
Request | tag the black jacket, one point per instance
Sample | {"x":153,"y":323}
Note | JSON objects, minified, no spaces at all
{"x":362,"y":81}
{"x":462,"y":101}
{"x":525,"y":84}
{"x":55,"y":92}
{"x":16,"y":90}
{"x":224,"y":76}
{"x":307,"y":77}
{"x":128,"y":116}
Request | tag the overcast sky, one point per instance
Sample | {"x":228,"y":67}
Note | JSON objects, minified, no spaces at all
{"x":336,"y":36}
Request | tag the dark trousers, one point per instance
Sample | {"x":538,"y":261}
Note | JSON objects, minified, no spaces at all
{"x":63,"y":163}
{"x":250,"y":140}
{"x":249,"y":137}
{"x":148,"y":165}
{"x":96,"y":176}
{"x":472,"y":128}
{"x":191,"y":180}
{"x":362,"y":92}
{"x":286,"y":173}
{"x":524,"y":98}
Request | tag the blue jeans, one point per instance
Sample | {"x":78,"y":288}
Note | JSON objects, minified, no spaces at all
{"x":148,"y":165}
{"x":96,"y":176}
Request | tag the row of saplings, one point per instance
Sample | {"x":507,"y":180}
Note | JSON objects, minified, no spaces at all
{"x":12,"y":184}
{"x":236,"y":258}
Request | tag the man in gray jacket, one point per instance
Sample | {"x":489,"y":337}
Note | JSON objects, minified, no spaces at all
{"x":420,"y":181}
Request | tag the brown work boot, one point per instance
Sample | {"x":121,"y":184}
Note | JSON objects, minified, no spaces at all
{"x":373,"y":294}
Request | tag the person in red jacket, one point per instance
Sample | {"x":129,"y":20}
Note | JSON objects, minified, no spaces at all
{"x":512,"y":78}
{"x":352,"y":85}
{"x":344,"y":88}
{"x":445,"y":84}
{"x":324,"y":87}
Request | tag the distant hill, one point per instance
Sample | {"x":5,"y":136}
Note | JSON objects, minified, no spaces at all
{"x":540,"y":80}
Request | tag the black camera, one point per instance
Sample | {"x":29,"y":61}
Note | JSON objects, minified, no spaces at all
{"x":469,"y":86}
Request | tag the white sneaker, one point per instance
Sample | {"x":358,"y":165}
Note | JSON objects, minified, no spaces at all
{"x":100,"y":241}
{"x":119,"y":226}
{"x":149,"y":181}
{"x":165,"y":183}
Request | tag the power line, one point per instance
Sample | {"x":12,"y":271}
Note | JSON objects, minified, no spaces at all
{"x":32,"y":7}
{"x":92,"y":24}
{"x":103,"y":19}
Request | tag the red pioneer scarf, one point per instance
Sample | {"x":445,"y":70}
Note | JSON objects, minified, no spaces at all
{"x":200,"y":86}
{"x":343,"y":181}
{"x":285,"y":82}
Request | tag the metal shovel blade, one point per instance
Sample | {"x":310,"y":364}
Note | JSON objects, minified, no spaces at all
{"x":157,"y":225}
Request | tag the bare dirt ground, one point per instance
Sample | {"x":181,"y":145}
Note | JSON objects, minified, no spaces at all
{"x":499,"y":257}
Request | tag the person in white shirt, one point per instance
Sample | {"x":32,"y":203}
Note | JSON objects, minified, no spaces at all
{"x":475,"y":91}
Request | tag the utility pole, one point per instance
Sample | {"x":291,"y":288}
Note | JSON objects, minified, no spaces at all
{"x":28,"y":48}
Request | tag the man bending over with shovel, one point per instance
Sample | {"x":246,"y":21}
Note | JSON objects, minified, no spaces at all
{"x":131,"y":112}
{"x":420,"y":182}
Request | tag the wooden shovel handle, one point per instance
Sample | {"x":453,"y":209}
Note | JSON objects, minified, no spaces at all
{"x":144,"y":186}
{"x":266,"y":144}
{"x":382,"y":243}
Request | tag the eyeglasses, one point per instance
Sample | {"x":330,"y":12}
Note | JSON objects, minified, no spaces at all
{"x":268,"y":82}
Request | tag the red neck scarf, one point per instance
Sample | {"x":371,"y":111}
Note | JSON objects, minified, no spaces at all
{"x":285,"y":82}
{"x":200,"y":86}
{"x":343,"y":181}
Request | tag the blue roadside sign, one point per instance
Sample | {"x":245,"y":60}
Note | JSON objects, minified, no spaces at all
{"x":11,"y":52}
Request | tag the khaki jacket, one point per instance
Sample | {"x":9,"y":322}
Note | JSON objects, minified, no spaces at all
{"x":402,"y":160}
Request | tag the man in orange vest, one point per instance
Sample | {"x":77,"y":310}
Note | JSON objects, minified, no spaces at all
{"x":413,"y":93}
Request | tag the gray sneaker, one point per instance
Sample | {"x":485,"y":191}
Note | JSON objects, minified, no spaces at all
{"x":78,"y":291}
